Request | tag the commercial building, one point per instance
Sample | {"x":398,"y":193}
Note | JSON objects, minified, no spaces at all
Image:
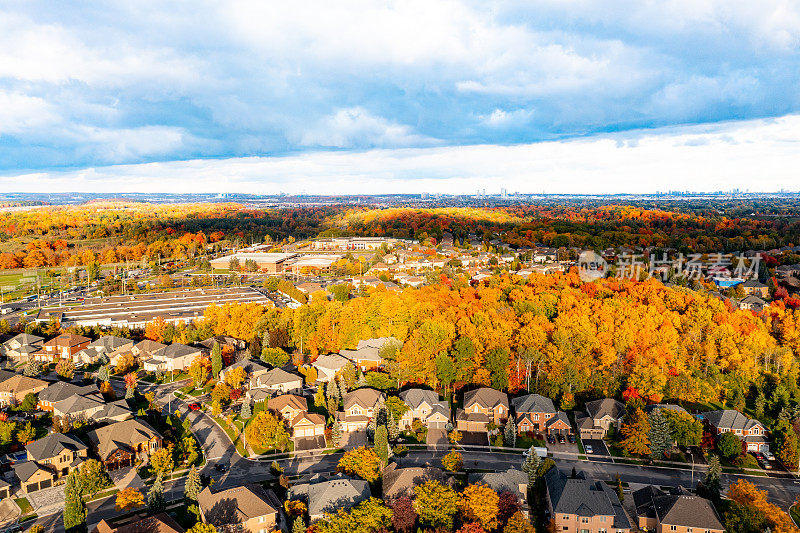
{"x":272,"y":263}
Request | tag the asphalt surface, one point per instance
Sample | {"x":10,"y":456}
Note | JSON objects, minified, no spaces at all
{"x":782,"y":491}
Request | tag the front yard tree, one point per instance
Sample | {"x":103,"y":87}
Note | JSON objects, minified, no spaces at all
{"x":155,"y":496}
{"x":685,"y":429}
{"x":336,"y":434}
{"x":235,"y":377}
{"x":362,"y":462}
{"x":193,"y":486}
{"x":128,"y":499}
{"x":267,"y":431}
{"x":659,"y":434}
{"x":319,"y":398}
{"x":479,"y":503}
{"x":713,"y":480}
{"x":65,"y":368}
{"x":518,"y":524}
{"x":333,"y":397}
{"x":635,"y":431}
{"x":74,"y":508}
{"x":247,"y":411}
{"x":161,"y":461}
{"x":198,"y":373}
{"x":510,"y":435}
{"x":404,"y":517}
{"x":531,"y":466}
{"x":729,"y":446}
{"x":453,"y":461}
{"x":436,"y":504}
{"x":382,"y":445}
{"x":216,"y":360}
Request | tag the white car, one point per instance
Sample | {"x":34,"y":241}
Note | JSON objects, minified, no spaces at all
{"x":768,"y":455}
{"x":588,"y":448}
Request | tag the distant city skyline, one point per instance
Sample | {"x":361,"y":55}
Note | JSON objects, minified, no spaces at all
{"x":435,"y":96}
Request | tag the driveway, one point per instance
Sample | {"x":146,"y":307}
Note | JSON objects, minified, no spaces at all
{"x":437,"y":439}
{"x":598,"y":448}
{"x":476,"y":438}
{"x":353,"y":439}
{"x":309,"y":443}
{"x":47,"y":500}
{"x":566,"y":447}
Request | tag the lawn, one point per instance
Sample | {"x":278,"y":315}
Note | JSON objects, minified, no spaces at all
{"x":793,"y":512}
{"x":235,"y":439}
{"x":526,"y":442}
{"x":25,"y":506}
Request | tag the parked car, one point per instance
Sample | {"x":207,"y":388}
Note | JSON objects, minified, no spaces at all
{"x":221,"y":467}
{"x":588,"y":448}
{"x":561,"y":438}
{"x":769,"y":456}
{"x":571,"y":438}
{"x":194,"y":406}
{"x":551,"y":439}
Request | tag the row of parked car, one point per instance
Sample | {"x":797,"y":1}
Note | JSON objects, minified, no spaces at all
{"x":561,"y":438}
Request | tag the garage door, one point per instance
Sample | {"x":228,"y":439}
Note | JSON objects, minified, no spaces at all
{"x":437,"y":425}
{"x":45,"y":484}
{"x":305,"y":432}
{"x":31,"y":487}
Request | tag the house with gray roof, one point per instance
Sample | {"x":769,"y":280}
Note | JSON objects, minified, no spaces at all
{"x":32,"y":476}
{"x":752,"y":303}
{"x":18,"y":348}
{"x":105,"y":345}
{"x":57,"y":452}
{"x":534,"y":413}
{"x":62,"y":390}
{"x":251,"y":366}
{"x":582,"y":504}
{"x":330,"y":495}
{"x":600,"y":416}
{"x":276,"y":380}
{"x":424,"y":405}
{"x":512,"y":480}
{"x":399,"y":482}
{"x":677,"y":510}
{"x":175,"y":357}
{"x":92,"y":408}
{"x":750,"y":431}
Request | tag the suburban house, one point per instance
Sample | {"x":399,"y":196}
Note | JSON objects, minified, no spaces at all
{"x":366,"y":358}
{"x":288,"y":406}
{"x":536,"y":414}
{"x":328,"y":496}
{"x":359,"y":407}
{"x":33,"y":477}
{"x":601,"y":415}
{"x":752,"y":303}
{"x":251,"y":366}
{"x":678,"y":510}
{"x":482,"y":406}
{"x":511,"y":480}
{"x":123,"y":443}
{"x":160,"y":523}
{"x":755,"y":288}
{"x":14,"y":389}
{"x":276,"y":380}
{"x":61,"y":390}
{"x":175,"y":357}
{"x":399,"y":482}
{"x":92,"y":408}
{"x":140,"y":351}
{"x":57,"y":452}
{"x":19,"y":348}
{"x":750,"y":431}
{"x":5,"y":491}
{"x":581,"y":504}
{"x":232,"y":344}
{"x":424,"y":405}
{"x":309,"y":426}
{"x":105,"y":345}
{"x":328,"y":366}
{"x":62,"y":347}
{"x":246,"y":508}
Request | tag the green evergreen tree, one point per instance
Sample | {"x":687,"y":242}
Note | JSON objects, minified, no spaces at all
{"x":620,"y":493}
{"x":531,"y":466}
{"x":74,"y":508}
{"x":216,"y":360}
{"x":393,"y":428}
{"x":298,"y":526}
{"x":129,"y":393}
{"x":332,"y":391}
{"x":193,"y":486}
{"x":510,"y":435}
{"x":336,"y":434}
{"x":319,"y":397}
{"x":155,"y":496}
{"x":382,"y":445}
{"x":713,"y":479}
{"x":247,"y":411}
{"x":102,"y":374}
{"x":659,"y":435}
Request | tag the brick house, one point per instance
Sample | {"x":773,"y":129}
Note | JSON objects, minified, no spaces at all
{"x":121,"y":444}
{"x":750,"y":431}
{"x":62,"y":347}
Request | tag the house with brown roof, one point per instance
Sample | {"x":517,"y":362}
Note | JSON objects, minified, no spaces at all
{"x":399,"y":482}
{"x":246,"y":508}
{"x":277,"y":380}
{"x":424,"y":405}
{"x":288,"y":406}
{"x":675,"y":511}
{"x":308,"y":431}
{"x":105,"y":345}
{"x":359,"y":408}
{"x":160,"y":523}
{"x":600,"y":416}
{"x":123,"y":443}
{"x":141,"y":351}
{"x":57,"y":452}
{"x":62,"y":347}
{"x":482,"y":406}
{"x":14,"y":389}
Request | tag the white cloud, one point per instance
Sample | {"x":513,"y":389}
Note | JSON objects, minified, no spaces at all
{"x":356,"y":127}
{"x":19,"y":112}
{"x":759,"y":155}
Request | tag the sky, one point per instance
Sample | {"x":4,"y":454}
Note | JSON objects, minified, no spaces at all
{"x":560,"y":96}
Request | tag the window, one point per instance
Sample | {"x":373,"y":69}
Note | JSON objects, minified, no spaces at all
{"x":566,"y":517}
{"x":688,"y":530}
{"x":536,"y":416}
{"x":585,"y":519}
{"x":673,"y":528}
{"x":565,"y":528}
{"x":500,"y":409}
{"x":355,"y":411}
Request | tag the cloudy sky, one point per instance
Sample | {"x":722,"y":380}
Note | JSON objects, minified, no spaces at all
{"x":405,"y":96}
